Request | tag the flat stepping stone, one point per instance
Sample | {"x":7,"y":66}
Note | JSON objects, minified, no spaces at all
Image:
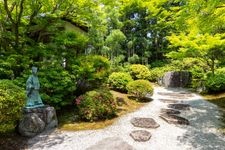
{"x":169,"y":101}
{"x":174,"y":119}
{"x":111,"y":143}
{"x":179,"y":106}
{"x":140,"y":135}
{"x":176,"y":95}
{"x":169,"y":111}
{"x":144,"y":122}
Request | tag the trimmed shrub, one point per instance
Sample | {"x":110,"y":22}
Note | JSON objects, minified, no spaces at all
{"x":96,"y":105}
{"x":138,"y":71}
{"x":139,"y":88}
{"x":215,"y":83}
{"x":12,"y":100}
{"x":119,"y":80}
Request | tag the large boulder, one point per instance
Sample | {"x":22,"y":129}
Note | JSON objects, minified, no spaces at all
{"x":176,"y":79}
{"x":36,"y":120}
{"x":31,"y":125}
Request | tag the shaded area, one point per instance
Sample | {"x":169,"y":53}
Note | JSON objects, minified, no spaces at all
{"x":52,"y":140}
{"x":206,"y":119}
{"x":220,"y":102}
{"x":111,"y":143}
{"x":13,"y":141}
{"x":203,"y":131}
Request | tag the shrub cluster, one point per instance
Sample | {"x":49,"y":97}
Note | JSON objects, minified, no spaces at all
{"x":139,"y":88}
{"x":215,"y":83}
{"x":96,"y":105}
{"x":12,"y":100}
{"x":119,"y":80}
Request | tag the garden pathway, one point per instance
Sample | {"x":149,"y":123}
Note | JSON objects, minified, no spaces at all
{"x":201,"y":134}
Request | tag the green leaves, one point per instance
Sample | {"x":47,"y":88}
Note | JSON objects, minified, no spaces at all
{"x":139,"y":88}
{"x":12,"y":100}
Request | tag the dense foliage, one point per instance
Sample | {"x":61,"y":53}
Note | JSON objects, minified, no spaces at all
{"x":215,"y":83}
{"x":12,"y":100}
{"x":57,"y":86}
{"x":119,"y":80}
{"x":139,"y":88}
{"x":91,"y":72}
{"x":96,"y":105}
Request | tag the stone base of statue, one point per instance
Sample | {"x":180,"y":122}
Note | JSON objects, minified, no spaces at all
{"x":36,"y":120}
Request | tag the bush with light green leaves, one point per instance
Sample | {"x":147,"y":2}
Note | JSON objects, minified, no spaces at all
{"x":138,"y":71}
{"x":119,"y":80}
{"x":12,"y":100}
{"x":139,"y":88}
{"x":96,"y":105}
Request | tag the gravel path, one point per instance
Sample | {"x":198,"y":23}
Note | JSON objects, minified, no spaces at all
{"x":200,"y":134}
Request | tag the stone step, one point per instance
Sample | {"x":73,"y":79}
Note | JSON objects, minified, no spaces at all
{"x":169,"y":101}
{"x":169,"y":111}
{"x":140,"y":135}
{"x":144,"y":122}
{"x":179,"y":106}
{"x":174,"y":119}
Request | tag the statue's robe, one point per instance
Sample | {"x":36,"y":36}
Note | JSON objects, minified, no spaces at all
{"x":32,"y":91}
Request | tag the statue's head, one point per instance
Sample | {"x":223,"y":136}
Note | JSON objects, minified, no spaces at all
{"x":34,"y":70}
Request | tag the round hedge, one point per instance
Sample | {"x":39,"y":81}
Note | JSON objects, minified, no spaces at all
{"x":12,"y":100}
{"x":139,"y":71}
{"x":96,"y":105}
{"x":139,"y":88}
{"x":119,"y":80}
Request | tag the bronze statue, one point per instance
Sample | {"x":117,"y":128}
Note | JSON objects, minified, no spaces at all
{"x":32,"y":90}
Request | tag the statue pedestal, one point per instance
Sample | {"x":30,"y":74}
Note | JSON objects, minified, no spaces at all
{"x":36,"y":120}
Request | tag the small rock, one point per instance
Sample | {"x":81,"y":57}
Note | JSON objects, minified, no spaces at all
{"x":174,"y":119}
{"x":179,"y":106}
{"x":120,"y":101}
{"x":169,"y":111}
{"x":140,"y":135}
{"x":112,"y":143}
{"x":144,"y":122}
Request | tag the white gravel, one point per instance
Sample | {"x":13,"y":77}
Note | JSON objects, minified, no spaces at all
{"x":201,"y":134}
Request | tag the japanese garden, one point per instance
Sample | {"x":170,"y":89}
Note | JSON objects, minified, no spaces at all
{"x":112,"y":74}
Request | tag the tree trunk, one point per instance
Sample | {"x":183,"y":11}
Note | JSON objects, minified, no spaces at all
{"x":213,"y":67}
